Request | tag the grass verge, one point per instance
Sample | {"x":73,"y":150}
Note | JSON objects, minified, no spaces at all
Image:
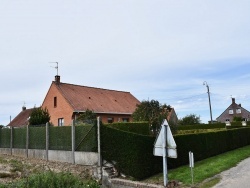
{"x":204,"y":169}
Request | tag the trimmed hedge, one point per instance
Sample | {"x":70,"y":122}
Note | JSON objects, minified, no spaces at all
{"x":135,"y":127}
{"x":19,"y":138}
{"x":210,"y":126}
{"x":59,"y":138}
{"x":133,"y":153}
{"x":5,"y":138}
{"x":37,"y":137}
{"x":86,"y":138}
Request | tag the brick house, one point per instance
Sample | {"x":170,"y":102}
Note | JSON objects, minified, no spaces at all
{"x":172,"y":117}
{"x":234,"y":110}
{"x":22,"y":119}
{"x":65,"y":102}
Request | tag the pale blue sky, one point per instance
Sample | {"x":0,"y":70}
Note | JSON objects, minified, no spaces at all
{"x":160,"y":50}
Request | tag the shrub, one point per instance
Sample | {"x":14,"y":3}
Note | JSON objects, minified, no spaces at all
{"x":132,"y":154}
{"x":53,"y":180}
{"x":135,"y":127}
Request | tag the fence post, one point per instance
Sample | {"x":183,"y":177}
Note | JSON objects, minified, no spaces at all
{"x":73,"y":141}
{"x":99,"y":142}
{"x":47,"y":141}
{"x":27,"y":141}
{"x":99,"y":150}
{"x":11,"y":140}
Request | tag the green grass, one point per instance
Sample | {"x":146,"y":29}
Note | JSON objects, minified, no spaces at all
{"x":204,"y":169}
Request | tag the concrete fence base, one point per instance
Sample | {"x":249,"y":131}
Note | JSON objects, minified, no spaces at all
{"x":83,"y":158}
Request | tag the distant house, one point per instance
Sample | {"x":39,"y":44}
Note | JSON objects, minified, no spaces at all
{"x":234,"y":110}
{"x":22,"y":119}
{"x":172,"y":117}
{"x":65,"y":102}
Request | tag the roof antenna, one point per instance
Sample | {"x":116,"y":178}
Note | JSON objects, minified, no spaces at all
{"x":56,"y":67}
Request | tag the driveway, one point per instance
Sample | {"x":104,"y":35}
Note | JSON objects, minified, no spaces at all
{"x":236,"y":177}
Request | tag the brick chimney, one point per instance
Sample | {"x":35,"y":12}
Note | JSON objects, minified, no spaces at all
{"x":57,"y":79}
{"x":233,"y":100}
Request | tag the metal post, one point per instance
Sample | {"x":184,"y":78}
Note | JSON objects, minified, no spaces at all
{"x":47,"y":141}
{"x":165,"y":169}
{"x":73,"y":141}
{"x":99,"y":142}
{"x":11,"y":140}
{"x":99,"y":149}
{"x":205,"y":83}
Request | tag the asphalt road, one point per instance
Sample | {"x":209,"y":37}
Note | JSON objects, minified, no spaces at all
{"x":236,"y":177}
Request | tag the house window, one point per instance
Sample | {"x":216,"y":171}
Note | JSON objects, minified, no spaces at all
{"x":125,"y":119}
{"x":110,"y":120}
{"x":55,"y":102}
{"x":231,"y":112}
{"x":238,"y":110}
{"x":60,"y":122}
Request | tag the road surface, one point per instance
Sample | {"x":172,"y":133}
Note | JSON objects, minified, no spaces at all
{"x":236,"y":177}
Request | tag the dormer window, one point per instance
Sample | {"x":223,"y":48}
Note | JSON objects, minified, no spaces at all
{"x":238,"y":111}
{"x":231,"y":111}
{"x":55,"y":102}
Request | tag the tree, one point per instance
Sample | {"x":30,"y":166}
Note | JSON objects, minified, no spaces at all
{"x":191,"y":119}
{"x":88,"y":117}
{"x":151,"y":111}
{"x":39,"y":116}
{"x":237,"y":119}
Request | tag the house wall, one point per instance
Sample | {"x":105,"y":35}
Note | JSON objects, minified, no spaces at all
{"x":225,"y":115}
{"x":62,"y":110}
{"x":116,"y":117}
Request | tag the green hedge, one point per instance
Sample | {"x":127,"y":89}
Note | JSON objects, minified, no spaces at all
{"x":60,"y":138}
{"x":19,"y":138}
{"x":5,"y":138}
{"x":135,"y":127}
{"x":133,"y":153}
{"x":37,"y":137}
{"x":210,"y":126}
{"x":86,"y":138}
{"x":202,"y":126}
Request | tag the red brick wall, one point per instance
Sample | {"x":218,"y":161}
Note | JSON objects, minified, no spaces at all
{"x":116,"y":117}
{"x":62,"y":110}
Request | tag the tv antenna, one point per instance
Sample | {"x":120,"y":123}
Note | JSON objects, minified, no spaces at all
{"x":56,"y":67}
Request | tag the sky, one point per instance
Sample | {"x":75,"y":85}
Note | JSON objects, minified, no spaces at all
{"x":162,"y":50}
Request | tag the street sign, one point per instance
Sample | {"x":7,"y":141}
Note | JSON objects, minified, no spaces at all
{"x":165,"y":146}
{"x":169,"y":142}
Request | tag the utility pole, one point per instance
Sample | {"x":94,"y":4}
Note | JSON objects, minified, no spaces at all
{"x":205,"y":84}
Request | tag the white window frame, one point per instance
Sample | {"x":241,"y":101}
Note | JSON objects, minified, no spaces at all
{"x":238,"y":111}
{"x":60,"y":122}
{"x":231,"y":111}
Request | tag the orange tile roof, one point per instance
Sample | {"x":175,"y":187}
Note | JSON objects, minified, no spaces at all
{"x":98,"y":100}
{"x":21,"y":119}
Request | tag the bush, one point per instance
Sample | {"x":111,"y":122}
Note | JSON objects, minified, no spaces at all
{"x":135,"y":127}
{"x":5,"y":138}
{"x":53,"y":180}
{"x":132,"y":154}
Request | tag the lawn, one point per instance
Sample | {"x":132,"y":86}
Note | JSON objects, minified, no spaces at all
{"x":204,"y":169}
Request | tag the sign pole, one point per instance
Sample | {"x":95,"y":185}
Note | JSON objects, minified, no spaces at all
{"x":165,"y":169}
{"x":164,"y":147}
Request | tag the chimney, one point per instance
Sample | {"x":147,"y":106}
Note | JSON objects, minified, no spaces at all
{"x":233,"y":100}
{"x":239,"y":105}
{"x":57,"y":79}
{"x":23,"y":108}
